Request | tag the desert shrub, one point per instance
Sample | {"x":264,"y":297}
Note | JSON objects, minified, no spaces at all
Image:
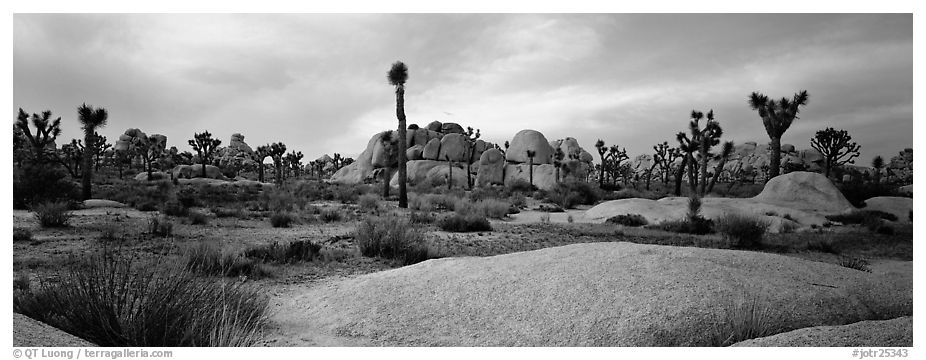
{"x":210,"y":259}
{"x":198,"y":218}
{"x":745,"y":231}
{"x":187,"y":195}
{"x":391,"y":237}
{"x":854,"y":263}
{"x":861,"y":216}
{"x":337,"y":254}
{"x":22,"y":234}
{"x":225,"y":213}
{"x":146,"y":206}
{"x":492,"y":208}
{"x":277,"y":200}
{"x":301,"y":250}
{"x":628,"y":220}
{"x":696,"y":226}
{"x":576,"y":193}
{"x":281,"y":219}
{"x":629,"y":193}
{"x":485,"y":192}
{"x":112,"y":300}
{"x":822,"y":246}
{"x":53,"y":214}
{"x":464,"y":223}
{"x":331,"y":215}
{"x":368,"y":202}
{"x":743,"y":320}
{"x":520,"y":186}
{"x":420,"y":217}
{"x":108,"y":233}
{"x":174,"y":207}
{"x":433,"y":202}
{"x":517,"y":201}
{"x":859,"y":191}
{"x":788,"y":227}
{"x":545,"y":218}
{"x":160,"y":226}
{"x":34,"y":184}
{"x":552,"y":208}
{"x":570,"y":219}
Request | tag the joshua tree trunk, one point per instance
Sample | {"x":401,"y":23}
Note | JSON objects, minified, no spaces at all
{"x":702,"y":179}
{"x":386,"y":178}
{"x":679,"y":175}
{"x":649,"y":175}
{"x":449,"y":173}
{"x":403,"y":175}
{"x":530,"y":168}
{"x":601,"y":173}
{"x":260,"y":171}
{"x":717,"y":170}
{"x":775,"y":159}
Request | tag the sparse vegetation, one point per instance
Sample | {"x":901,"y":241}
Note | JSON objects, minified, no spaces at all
{"x":392,"y":237}
{"x":745,"y":231}
{"x":145,"y":304}
{"x":198,"y":218}
{"x":53,"y":214}
{"x":160,"y":226}
{"x":744,"y":319}
{"x":464,"y":223}
{"x":22,"y":234}
{"x":632,"y":220}
{"x":281,"y":219}
{"x":854,"y":263}
{"x":210,"y":258}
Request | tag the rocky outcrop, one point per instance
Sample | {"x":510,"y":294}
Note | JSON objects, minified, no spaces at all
{"x":359,"y":170}
{"x":491,"y":168}
{"x":196,"y":171}
{"x":414,"y":152}
{"x":898,"y":206}
{"x":451,"y":128}
{"x":872,"y":333}
{"x":452,"y":147}
{"x":804,"y":191}
{"x":532,"y":140}
{"x":544,"y":175}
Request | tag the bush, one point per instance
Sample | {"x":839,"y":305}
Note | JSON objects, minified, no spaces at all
{"x":743,"y":321}
{"x":210,"y":259}
{"x":392,"y":237}
{"x":520,"y":186}
{"x":859,"y":191}
{"x":822,"y":246}
{"x":301,"y":250}
{"x":174,"y":208}
{"x":628,"y":220}
{"x":744,"y":231}
{"x":160,"y":226}
{"x":570,"y":193}
{"x":120,"y":301}
{"x":418,"y":217}
{"x":369,"y":202}
{"x":34,"y":184}
{"x":281,"y":219}
{"x":22,"y":234}
{"x":696,"y":226}
{"x":331,"y":215}
{"x":854,"y":263}
{"x":198,"y":218}
{"x":492,"y":208}
{"x":53,"y":214}
{"x":464,"y":223}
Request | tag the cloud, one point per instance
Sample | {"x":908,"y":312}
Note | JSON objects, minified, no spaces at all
{"x":317,"y":82}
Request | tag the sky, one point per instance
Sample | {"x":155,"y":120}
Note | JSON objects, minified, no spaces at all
{"x":317,"y":82}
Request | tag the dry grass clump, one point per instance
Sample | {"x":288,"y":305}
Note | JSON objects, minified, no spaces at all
{"x":282,"y":219}
{"x":160,"y":226}
{"x":392,"y":237}
{"x":53,"y":213}
{"x":744,"y":231}
{"x":743,"y":320}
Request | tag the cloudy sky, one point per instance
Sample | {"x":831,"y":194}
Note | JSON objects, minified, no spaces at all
{"x":317,"y":82}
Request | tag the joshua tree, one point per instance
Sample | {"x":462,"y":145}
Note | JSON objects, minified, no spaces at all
{"x":261,"y":153}
{"x":836,"y":146}
{"x":700,"y":141}
{"x":71,"y":156}
{"x":100,"y":147}
{"x":777,"y":117}
{"x":470,"y":151}
{"x":708,"y":137}
{"x":205,"y":146}
{"x":45,"y":133}
{"x":558,"y":157}
{"x":601,"y":151}
{"x":877,"y":163}
{"x":294,"y":160}
{"x":507,"y":145}
{"x":616,"y":157}
{"x":90,"y":120}
{"x":724,"y":155}
{"x":277,"y":150}
{"x":530,"y":165}
{"x":151,"y":149}
{"x":397,"y":76}
{"x":664,"y":157}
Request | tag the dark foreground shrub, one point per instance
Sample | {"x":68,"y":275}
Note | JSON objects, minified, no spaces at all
{"x":53,"y":214}
{"x":419,"y":217}
{"x":281,"y":219}
{"x":111,"y":300}
{"x":464,"y":223}
{"x":331,"y":215}
{"x":22,"y":234}
{"x":570,"y":193}
{"x":854,"y":263}
{"x":210,"y":259}
{"x":35,"y":184}
{"x":628,"y":220}
{"x":744,"y":231}
{"x":697,"y":226}
{"x":198,"y":218}
{"x":301,"y":250}
{"x":174,"y":208}
{"x":392,"y":237}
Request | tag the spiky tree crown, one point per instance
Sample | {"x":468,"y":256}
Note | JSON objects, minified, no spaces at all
{"x":777,"y":116}
{"x":91,"y":118}
{"x":398,"y":74}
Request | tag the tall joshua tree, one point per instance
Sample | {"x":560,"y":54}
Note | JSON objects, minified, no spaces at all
{"x":777,"y":117}
{"x":558,"y":157}
{"x":601,"y":151}
{"x":205,"y":146}
{"x":836,"y":146}
{"x":90,"y":120}
{"x":261,"y":153}
{"x":471,"y":138}
{"x":616,"y":157}
{"x":530,"y":166}
{"x":398,"y":74}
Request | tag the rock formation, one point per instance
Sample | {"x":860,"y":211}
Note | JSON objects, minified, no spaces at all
{"x":531,"y":140}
